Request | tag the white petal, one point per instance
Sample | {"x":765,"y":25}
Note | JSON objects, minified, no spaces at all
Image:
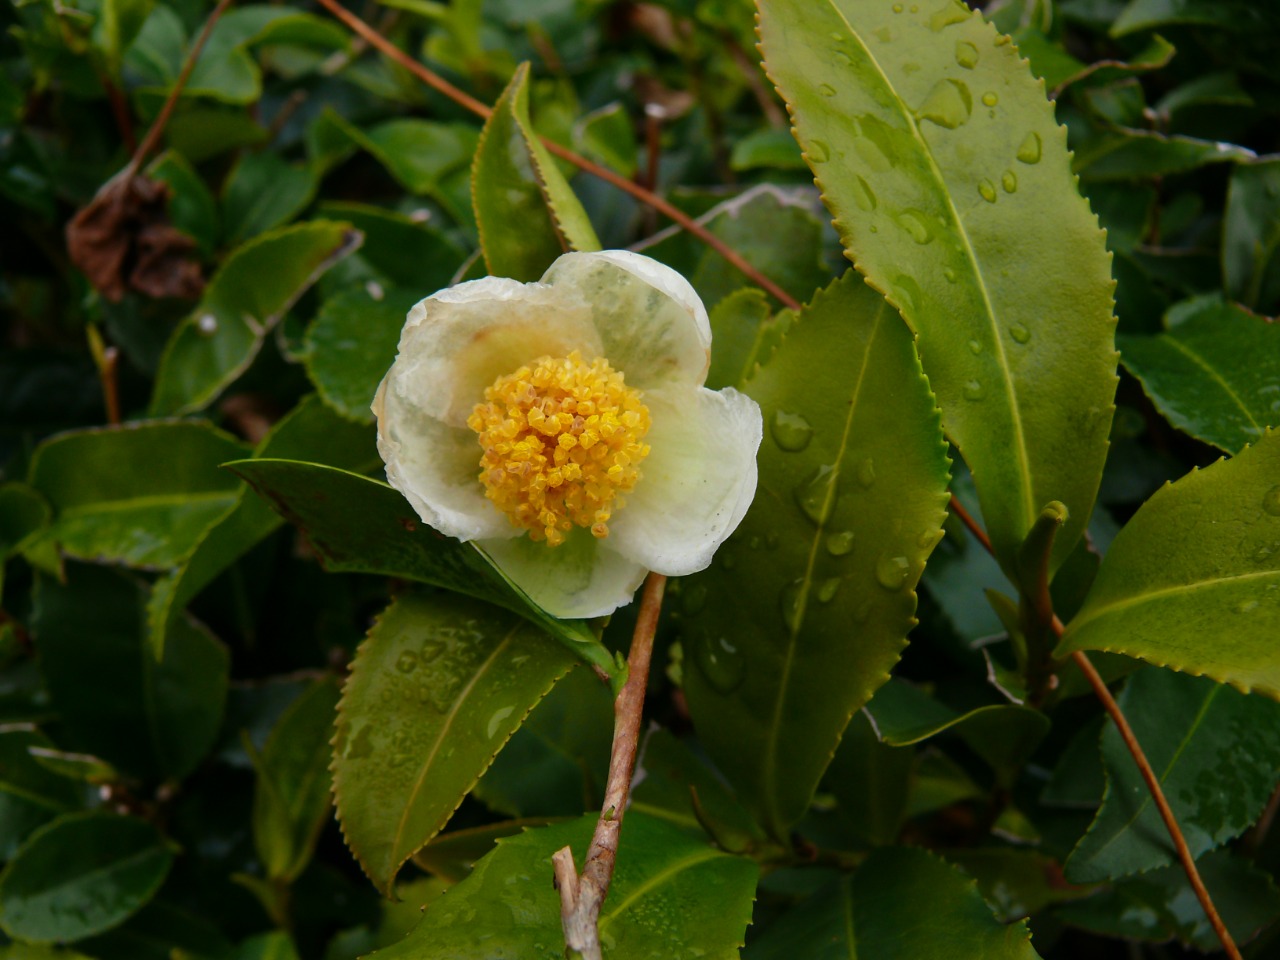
{"x":457,"y":342}
{"x":695,"y":485}
{"x":437,"y":468}
{"x":651,"y":323}
{"x":583,"y":577}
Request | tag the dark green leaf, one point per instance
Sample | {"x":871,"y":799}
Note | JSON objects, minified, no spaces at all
{"x":1216,"y":752}
{"x":1251,"y":235}
{"x":1193,"y":580}
{"x":434,"y":693}
{"x":606,"y":135}
{"x":934,"y":146}
{"x":80,"y":875}
{"x":871,"y":781}
{"x":744,"y":335}
{"x":1146,"y":14}
{"x":671,"y":896}
{"x":1135,"y":154}
{"x":406,"y":251}
{"x":1016,"y":882}
{"x":22,"y":775}
{"x":809,"y":603}
{"x":263,"y":191}
{"x":191,"y":206}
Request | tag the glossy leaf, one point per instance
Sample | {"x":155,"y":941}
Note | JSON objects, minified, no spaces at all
{"x":247,"y":297}
{"x":1148,"y":14}
{"x":744,"y":335}
{"x":191,"y":206}
{"x":291,"y":802}
{"x":262,"y":192}
{"x":140,"y":495}
{"x":1193,"y":580}
{"x":406,"y":251}
{"x":152,"y":720}
{"x":385,"y":536}
{"x":80,"y":875}
{"x":1133,"y":154}
{"x":1251,"y":236}
{"x":451,"y":856}
{"x":1216,"y":752}
{"x":671,"y":896}
{"x":24,"y":777}
{"x":871,"y":781}
{"x":310,"y":431}
{"x":809,"y":603}
{"x":435,"y":691}
{"x":1195,"y":374}
{"x":526,"y":211}
{"x":934,"y":146}
{"x":878,"y":913}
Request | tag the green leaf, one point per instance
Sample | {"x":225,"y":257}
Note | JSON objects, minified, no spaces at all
{"x":141,"y":494}
{"x":1251,"y":235}
{"x":80,"y":875}
{"x":871,"y":781}
{"x":526,"y":211}
{"x":291,"y":801}
{"x":1197,"y":375}
{"x":851,"y":497}
{"x":262,"y":192}
{"x":23,"y":776}
{"x":671,"y":896}
{"x":152,"y":720}
{"x":934,"y":147}
{"x":23,"y":514}
{"x":192,"y":208}
{"x":1145,"y":14}
{"x":877,"y":913}
{"x":310,"y":430}
{"x":1160,"y":905}
{"x":117,"y":25}
{"x":408,"y":252}
{"x":1137,"y":154}
{"x":1192,"y":582}
{"x":606,"y":135}
{"x":451,"y":856}
{"x":248,"y":296}
{"x":434,"y":692}
{"x":1215,"y":751}
{"x":351,"y":345}
{"x":1016,"y":882}
{"x":745,"y":335}
{"x":770,"y":148}
{"x":383,"y":535}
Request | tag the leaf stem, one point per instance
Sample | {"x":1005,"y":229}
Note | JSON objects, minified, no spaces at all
{"x":581,"y":896}
{"x":1139,"y":758}
{"x":647,"y":197}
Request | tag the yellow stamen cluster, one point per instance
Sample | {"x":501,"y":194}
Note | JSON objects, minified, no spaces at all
{"x":561,"y":439}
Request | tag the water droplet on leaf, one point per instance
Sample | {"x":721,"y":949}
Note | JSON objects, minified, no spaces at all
{"x":867,"y":473}
{"x":1019,"y":332}
{"x":721,"y":662}
{"x":840,"y":543}
{"x":819,"y":152}
{"x":987,"y":190}
{"x":973,"y":390}
{"x":1029,"y":150}
{"x":862,"y":195}
{"x":407,"y":662}
{"x":790,"y":431}
{"x":975,"y":347}
{"x":892,"y":572}
{"x":917,"y":225}
{"x":828,"y":590}
{"x":966,"y":54}
{"x":827,"y":90}
{"x":1009,"y":181}
{"x":817,"y":495}
{"x":948,"y":104}
{"x":948,"y":14}
{"x":990,"y":99}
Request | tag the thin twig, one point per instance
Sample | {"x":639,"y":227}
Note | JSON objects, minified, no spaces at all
{"x":1139,"y":757}
{"x":582,"y":896}
{"x":465,"y":100}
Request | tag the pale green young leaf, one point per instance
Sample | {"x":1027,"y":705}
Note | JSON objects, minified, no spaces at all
{"x":435,"y":691}
{"x":948,"y":177}
{"x":1192,"y":582}
{"x":809,"y":603}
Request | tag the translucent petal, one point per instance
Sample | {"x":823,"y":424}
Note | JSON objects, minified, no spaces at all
{"x":651,"y":324}
{"x":697,"y":482}
{"x":583,"y":577}
{"x":458,"y":341}
{"x":436,"y":467}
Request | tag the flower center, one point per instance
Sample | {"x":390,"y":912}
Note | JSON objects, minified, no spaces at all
{"x":562,"y":439}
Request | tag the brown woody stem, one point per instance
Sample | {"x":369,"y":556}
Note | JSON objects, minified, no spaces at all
{"x":582,"y":896}
{"x":465,"y":100}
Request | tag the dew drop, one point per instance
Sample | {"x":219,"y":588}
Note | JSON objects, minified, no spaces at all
{"x":948,"y":104}
{"x":892,"y":572}
{"x":793,"y":603}
{"x":1271,"y":501}
{"x":819,"y":152}
{"x":862,"y":195}
{"x":906,"y":292}
{"x":973,"y":390}
{"x":495,"y":721}
{"x":1019,"y":332}
{"x":207,"y":324}
{"x":430,"y":650}
{"x":918,"y":226}
{"x":827,"y":90}
{"x":990,"y":99}
{"x":828,"y":589}
{"x":975,"y":347}
{"x":694,"y":598}
{"x":837,"y":36}
{"x":867,"y":473}
{"x":948,"y":14}
{"x":950,"y":275}
{"x":844,"y":59}
{"x":1029,"y":149}
{"x":966,"y":54}
{"x":897,"y":8}
{"x":790,"y":431}
{"x":407,"y":662}
{"x":987,"y":190}
{"x":1009,"y":181}
{"x":840,"y":543}
{"x":721,"y":662}
{"x":928,"y":539}
{"x":816,"y":496}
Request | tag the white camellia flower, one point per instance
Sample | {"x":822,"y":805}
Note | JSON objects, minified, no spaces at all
{"x":563,"y":427}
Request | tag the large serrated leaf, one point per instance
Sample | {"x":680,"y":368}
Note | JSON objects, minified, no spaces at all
{"x":671,"y":896}
{"x":249,"y":295}
{"x":435,"y":691}
{"x":1193,"y":580}
{"x":949,"y":180}
{"x":809,"y":603}
{"x":1197,"y":374}
{"x":360,"y":525}
{"x":878,"y":914}
{"x":526,"y":211}
{"x":1216,"y":752}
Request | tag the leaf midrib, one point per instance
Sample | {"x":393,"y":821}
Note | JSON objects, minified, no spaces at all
{"x":1215,"y":376}
{"x":655,"y":880}
{"x":1023,"y":459}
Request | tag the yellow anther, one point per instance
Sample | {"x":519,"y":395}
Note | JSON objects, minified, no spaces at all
{"x":562,"y":438}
